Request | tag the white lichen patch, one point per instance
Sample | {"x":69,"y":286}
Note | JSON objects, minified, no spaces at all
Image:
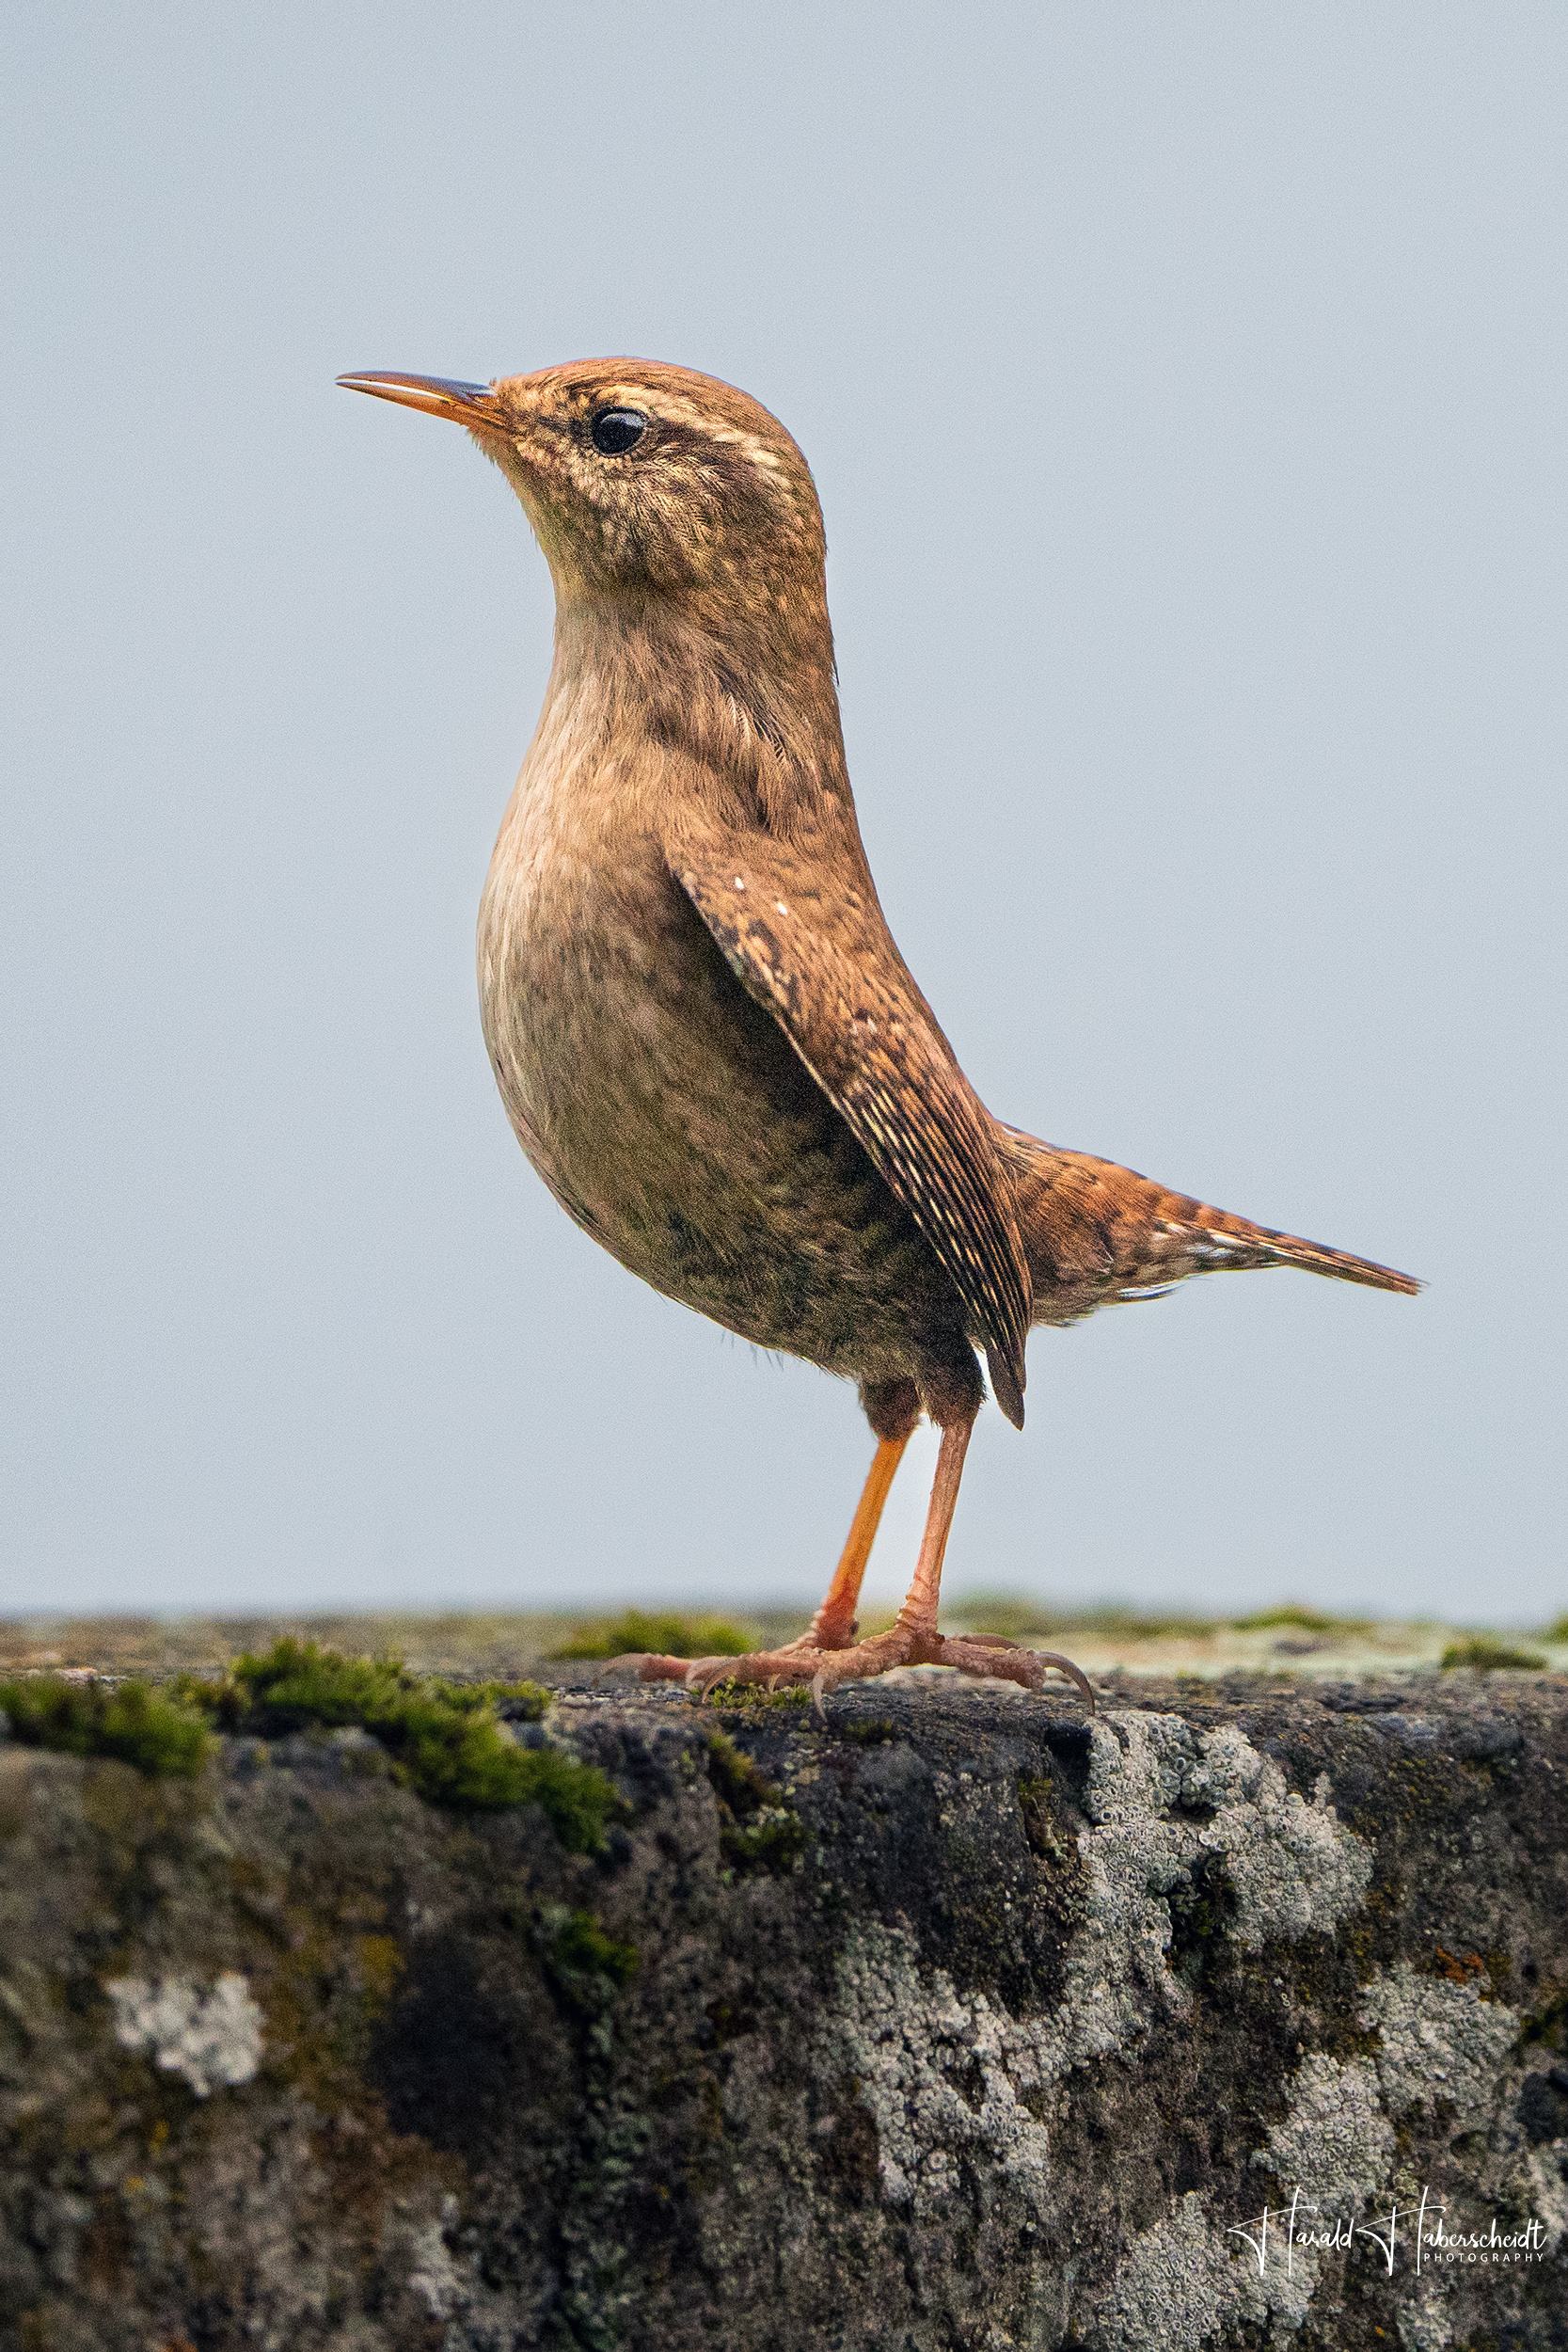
{"x":942,"y":2075}
{"x":1546,"y":2186}
{"x":950,"y":2078}
{"x":1195,"y":2274}
{"x":436,"y":2278}
{"x":1423,"y":2323}
{"x":1291,"y":1867}
{"x":214,"y":2039}
{"x":1439,"y":2040}
{"x":1135,"y":1855}
{"x":457,"y":2299}
{"x":1334,"y":2143}
{"x":1187,"y":2278}
{"x":911,"y":2042}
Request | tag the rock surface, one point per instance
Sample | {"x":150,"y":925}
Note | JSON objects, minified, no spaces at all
{"x":956,"y":2024}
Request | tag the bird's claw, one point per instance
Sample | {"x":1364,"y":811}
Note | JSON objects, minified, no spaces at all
{"x":988,"y":1654}
{"x":1014,"y":1664}
{"x":703,"y":1673}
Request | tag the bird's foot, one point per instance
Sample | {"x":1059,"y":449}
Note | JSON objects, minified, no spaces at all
{"x":903,"y":1644}
{"x":1004,"y":1662}
{"x":758,"y":1666}
{"x":805,"y":1661}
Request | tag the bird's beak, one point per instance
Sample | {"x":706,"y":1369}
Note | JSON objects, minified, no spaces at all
{"x":474,"y":404}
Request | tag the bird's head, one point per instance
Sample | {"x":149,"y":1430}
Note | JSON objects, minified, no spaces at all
{"x":641,"y":480}
{"x":685,"y":539}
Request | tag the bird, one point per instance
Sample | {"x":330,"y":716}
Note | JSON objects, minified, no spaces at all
{"x":706,"y":1040}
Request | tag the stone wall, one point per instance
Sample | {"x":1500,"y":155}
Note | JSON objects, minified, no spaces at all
{"x":952,"y":2024}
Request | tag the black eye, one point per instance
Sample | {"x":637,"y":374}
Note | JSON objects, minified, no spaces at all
{"x":616,"y":430}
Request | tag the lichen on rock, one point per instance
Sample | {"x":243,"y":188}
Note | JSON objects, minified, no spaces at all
{"x":1334,"y":2134}
{"x":214,"y":2039}
{"x":944,"y":2076}
{"x":908,"y":2041}
{"x":956,"y":2022}
{"x":1185,"y":2283}
{"x":1437,"y":2039}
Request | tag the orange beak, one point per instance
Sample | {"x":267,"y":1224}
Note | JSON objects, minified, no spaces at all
{"x":474,"y":404}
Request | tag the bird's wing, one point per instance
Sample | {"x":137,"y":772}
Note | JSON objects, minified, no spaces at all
{"x":818,"y":956}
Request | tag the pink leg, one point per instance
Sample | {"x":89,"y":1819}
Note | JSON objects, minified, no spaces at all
{"x":913,"y":1639}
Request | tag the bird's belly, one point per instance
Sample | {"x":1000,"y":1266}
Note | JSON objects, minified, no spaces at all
{"x":670,"y":1116}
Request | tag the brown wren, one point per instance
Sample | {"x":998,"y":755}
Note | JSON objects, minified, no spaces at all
{"x":705,"y":1038}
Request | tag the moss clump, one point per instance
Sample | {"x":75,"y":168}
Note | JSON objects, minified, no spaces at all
{"x":518,"y":1702}
{"x":873,"y":1734}
{"x":667,"y":1637}
{"x":1291,"y":1613}
{"x":130,"y":1722}
{"x":586,"y":1965}
{"x":772,"y":1841}
{"x":746,"y":1697}
{"x":742,"y":1784}
{"x":1547,"y":2024}
{"x":1037,"y":1801}
{"x":1557,"y":1629}
{"x":1485,"y":1656}
{"x":444,"y":1738}
{"x":758,"y":1831}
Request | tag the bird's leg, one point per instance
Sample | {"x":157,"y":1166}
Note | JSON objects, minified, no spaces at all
{"x":828,"y":1653}
{"x":834,"y":1626}
{"x":913,"y":1639}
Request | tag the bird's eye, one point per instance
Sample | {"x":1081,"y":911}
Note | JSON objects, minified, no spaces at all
{"x":616,"y":430}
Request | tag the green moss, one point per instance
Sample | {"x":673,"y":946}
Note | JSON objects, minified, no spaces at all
{"x":1291,"y":1613}
{"x":870,"y":1735}
{"x":771,"y":1840}
{"x":1136,"y":1628}
{"x":742,"y":1784}
{"x":1484,"y":1655}
{"x":585,"y":1964}
{"x":525,"y":1702}
{"x":1036,"y":1800}
{"x":758,"y":1831}
{"x":668,"y":1636}
{"x":746,"y":1698}
{"x":131,"y":1723}
{"x":1556,"y":1630}
{"x":1547,"y":2023}
{"x":444,"y":1737}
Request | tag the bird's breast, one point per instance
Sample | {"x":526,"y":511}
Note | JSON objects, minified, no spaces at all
{"x":569,"y":928}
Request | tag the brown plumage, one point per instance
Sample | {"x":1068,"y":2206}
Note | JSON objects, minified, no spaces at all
{"x":1095,"y":1233}
{"x":705,"y":1036}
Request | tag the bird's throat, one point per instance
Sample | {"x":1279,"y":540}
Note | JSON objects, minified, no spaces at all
{"x":762,"y":718}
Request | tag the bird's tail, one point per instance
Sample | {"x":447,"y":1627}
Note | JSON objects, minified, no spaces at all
{"x":1094,"y":1233}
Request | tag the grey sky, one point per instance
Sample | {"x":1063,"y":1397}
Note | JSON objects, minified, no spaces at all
{"x":1184,"y":389}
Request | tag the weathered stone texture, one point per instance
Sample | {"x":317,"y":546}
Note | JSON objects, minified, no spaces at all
{"x":956,"y":2023}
